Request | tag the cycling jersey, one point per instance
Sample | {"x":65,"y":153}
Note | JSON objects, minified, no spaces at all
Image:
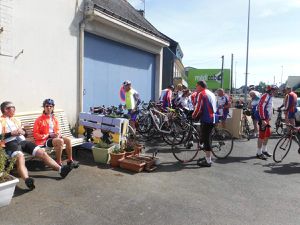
{"x":206,"y":107}
{"x":254,"y":103}
{"x":131,"y":99}
{"x":194,"y":97}
{"x":221,"y":103}
{"x":166,"y":97}
{"x":290,"y":103}
{"x":9,"y":124}
{"x":264,"y":107}
{"x":41,"y":128}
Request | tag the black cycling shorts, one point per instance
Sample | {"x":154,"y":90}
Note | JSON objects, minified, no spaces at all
{"x":23,"y":146}
{"x":206,"y":132}
{"x":49,"y":143}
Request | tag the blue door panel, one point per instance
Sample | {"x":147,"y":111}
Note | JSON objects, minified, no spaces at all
{"x":107,"y":64}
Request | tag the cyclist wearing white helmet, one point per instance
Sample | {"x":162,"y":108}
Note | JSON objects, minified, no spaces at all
{"x":132,"y":99}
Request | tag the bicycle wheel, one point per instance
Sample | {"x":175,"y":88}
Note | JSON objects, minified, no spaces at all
{"x":222,"y":143}
{"x":176,"y":132}
{"x":144,"y":123}
{"x":187,"y":150}
{"x":130,"y":134}
{"x":279,"y":129}
{"x":282,"y":148}
{"x":246,"y":129}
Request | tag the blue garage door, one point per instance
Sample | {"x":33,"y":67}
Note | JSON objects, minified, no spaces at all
{"x":107,"y":64}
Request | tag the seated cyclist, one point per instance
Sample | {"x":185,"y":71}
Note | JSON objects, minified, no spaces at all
{"x":14,"y":143}
{"x":47,"y":133}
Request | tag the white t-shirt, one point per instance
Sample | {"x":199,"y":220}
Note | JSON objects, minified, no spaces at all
{"x":51,"y":125}
{"x":11,"y":126}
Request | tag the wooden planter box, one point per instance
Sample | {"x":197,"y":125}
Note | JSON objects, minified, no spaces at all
{"x":132,"y":164}
{"x":102,"y":155}
{"x":149,"y":162}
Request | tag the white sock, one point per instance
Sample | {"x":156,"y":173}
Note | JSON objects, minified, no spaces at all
{"x":208,"y":159}
{"x":259,"y":152}
{"x":59,"y":170}
{"x":264,"y":148}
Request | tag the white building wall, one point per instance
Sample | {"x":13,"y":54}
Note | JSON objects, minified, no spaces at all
{"x":47,"y":32}
{"x":40,"y":53}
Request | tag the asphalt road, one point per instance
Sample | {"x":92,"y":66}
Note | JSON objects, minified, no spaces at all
{"x":237,"y":190}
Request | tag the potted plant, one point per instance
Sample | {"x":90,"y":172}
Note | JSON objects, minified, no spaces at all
{"x":7,"y":182}
{"x":138,"y":148}
{"x":129,"y":149}
{"x":116,"y":155}
{"x":102,"y":147}
{"x":101,"y":152}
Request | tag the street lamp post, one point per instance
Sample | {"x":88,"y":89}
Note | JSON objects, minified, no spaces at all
{"x":281,"y":74}
{"x":247,"y":53}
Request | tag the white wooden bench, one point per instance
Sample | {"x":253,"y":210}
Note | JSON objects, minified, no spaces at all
{"x":28,"y":118}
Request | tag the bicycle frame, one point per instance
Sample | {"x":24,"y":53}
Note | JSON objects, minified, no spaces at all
{"x":165,"y":117}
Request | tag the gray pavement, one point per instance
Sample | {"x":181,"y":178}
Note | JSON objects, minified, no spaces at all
{"x":237,"y":190}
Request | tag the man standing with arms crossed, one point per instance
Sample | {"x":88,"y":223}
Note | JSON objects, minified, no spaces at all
{"x":205,"y":109}
{"x":264,"y":109}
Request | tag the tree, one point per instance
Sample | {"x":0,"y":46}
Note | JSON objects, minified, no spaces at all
{"x":261,"y":86}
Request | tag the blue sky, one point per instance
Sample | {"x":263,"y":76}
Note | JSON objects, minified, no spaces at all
{"x":208,"y":29}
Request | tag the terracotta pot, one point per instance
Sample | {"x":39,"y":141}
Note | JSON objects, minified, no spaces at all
{"x":127,"y":154}
{"x":138,"y":149}
{"x":114,"y":159}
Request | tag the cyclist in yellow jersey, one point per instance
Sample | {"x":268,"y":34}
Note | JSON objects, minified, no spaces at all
{"x":132,"y":99}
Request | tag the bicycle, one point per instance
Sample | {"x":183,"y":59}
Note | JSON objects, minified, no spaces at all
{"x":247,"y":132}
{"x":187,"y":150}
{"x":284,"y":144}
{"x":279,"y":123}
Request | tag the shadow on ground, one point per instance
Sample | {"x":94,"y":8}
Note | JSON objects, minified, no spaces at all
{"x":283,"y":169}
{"x":235,"y":159}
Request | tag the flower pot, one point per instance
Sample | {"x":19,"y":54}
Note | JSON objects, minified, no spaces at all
{"x":127,"y":154}
{"x":101,"y":155}
{"x":7,"y":190}
{"x":114,"y":159}
{"x":138,"y":149}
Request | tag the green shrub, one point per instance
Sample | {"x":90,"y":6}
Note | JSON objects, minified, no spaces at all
{"x":4,"y":168}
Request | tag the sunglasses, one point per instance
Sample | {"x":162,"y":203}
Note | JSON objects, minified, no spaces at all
{"x":48,"y":106}
{"x":10,"y":107}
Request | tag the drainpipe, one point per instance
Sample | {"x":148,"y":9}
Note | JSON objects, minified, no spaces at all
{"x":81,"y":54}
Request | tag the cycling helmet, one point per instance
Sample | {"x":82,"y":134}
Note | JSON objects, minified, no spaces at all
{"x":126,"y":82}
{"x":48,"y":101}
{"x":171,"y":87}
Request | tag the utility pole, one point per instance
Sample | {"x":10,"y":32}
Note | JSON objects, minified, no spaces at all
{"x":231,"y":74}
{"x":222,"y":71}
{"x":247,"y":53}
{"x":235,"y":77}
{"x":281,"y":74}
